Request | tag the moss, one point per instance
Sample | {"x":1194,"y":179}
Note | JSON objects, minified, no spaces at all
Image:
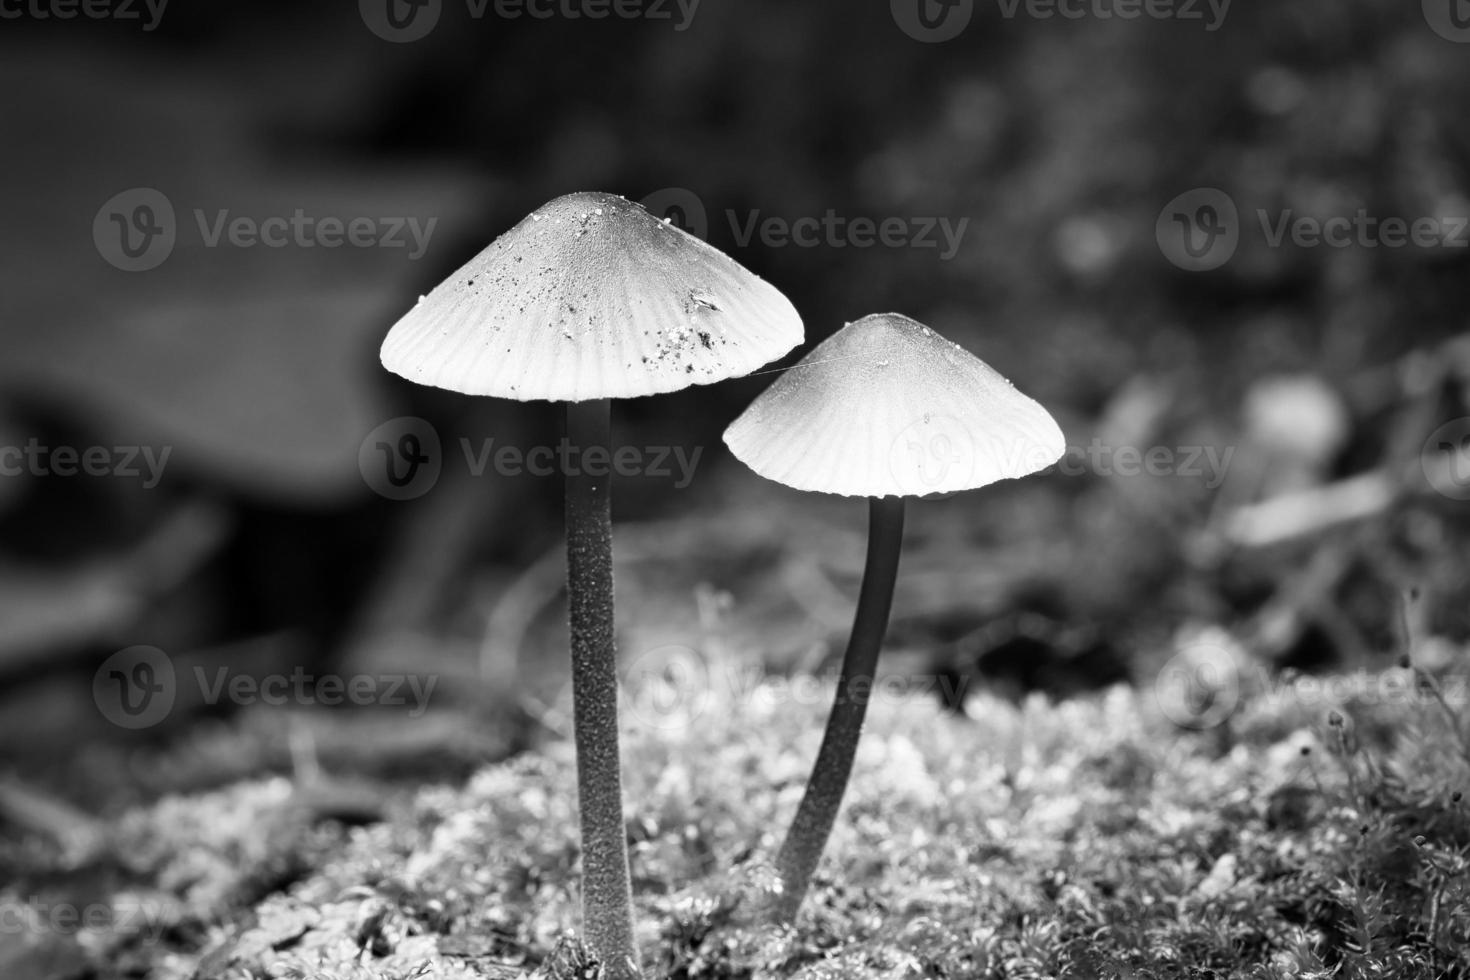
{"x":1085,"y":838}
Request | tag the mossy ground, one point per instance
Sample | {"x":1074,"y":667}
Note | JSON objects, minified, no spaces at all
{"x":1305,"y":836}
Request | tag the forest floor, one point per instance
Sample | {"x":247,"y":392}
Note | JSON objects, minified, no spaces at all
{"x":1297,"y":827}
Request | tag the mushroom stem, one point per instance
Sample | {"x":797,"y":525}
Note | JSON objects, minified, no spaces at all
{"x":607,"y":897}
{"x":802,"y":850}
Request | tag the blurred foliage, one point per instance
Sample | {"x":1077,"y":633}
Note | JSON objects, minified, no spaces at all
{"x":1057,"y":141}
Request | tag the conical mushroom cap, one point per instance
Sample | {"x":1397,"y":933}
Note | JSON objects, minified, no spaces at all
{"x":592,"y":297}
{"x":887,"y":407}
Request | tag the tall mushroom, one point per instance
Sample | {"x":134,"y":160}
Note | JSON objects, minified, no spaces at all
{"x":885,"y":409}
{"x":588,"y":299}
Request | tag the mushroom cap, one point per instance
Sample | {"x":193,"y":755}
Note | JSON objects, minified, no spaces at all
{"x":592,"y":297}
{"x":887,"y":407}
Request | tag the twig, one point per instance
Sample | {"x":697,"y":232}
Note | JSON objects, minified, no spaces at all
{"x":1307,"y":512}
{"x":77,"y":834}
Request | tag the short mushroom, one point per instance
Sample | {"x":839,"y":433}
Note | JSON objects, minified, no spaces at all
{"x":592,"y":298}
{"x":885,"y":409}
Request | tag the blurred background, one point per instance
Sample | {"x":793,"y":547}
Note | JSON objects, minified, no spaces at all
{"x":1270,"y":444}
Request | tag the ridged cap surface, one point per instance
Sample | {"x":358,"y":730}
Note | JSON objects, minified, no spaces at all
{"x":592,"y":297}
{"x":887,"y":407}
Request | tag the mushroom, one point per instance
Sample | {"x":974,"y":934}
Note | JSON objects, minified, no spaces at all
{"x":592,"y":298}
{"x":885,"y":409}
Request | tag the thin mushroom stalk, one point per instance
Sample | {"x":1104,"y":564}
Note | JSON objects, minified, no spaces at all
{"x":607,"y":894}
{"x":884,"y":409}
{"x":809,"y":831}
{"x":591,"y":298}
